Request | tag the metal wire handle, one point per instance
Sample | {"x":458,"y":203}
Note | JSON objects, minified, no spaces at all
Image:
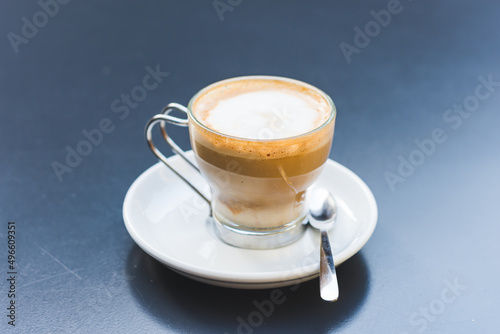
{"x":164,"y":118}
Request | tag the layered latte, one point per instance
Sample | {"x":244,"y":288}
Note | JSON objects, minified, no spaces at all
{"x":261,"y":143}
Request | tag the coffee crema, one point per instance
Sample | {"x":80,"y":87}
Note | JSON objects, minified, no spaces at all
{"x":261,"y":143}
{"x":226,"y":108}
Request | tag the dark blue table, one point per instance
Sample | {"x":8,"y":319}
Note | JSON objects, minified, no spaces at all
{"x":417,"y":87}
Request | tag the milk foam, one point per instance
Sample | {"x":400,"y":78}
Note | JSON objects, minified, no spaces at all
{"x":265,"y":114}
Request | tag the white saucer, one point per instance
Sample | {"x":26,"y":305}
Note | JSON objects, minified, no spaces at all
{"x":170,"y":222}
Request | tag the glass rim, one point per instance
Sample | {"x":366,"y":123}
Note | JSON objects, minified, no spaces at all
{"x":331,"y":117}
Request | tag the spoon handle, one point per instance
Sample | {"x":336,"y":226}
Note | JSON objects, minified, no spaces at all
{"x":328,"y":286}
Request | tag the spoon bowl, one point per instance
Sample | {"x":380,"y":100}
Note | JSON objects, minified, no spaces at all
{"x":322,"y":209}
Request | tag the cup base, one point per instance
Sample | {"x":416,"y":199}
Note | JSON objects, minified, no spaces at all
{"x":260,"y":238}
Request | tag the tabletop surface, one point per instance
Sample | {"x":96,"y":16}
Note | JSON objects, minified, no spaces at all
{"x":417,"y":89}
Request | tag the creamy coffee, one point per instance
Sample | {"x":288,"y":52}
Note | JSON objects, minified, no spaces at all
{"x":260,"y":142}
{"x":272,"y":113}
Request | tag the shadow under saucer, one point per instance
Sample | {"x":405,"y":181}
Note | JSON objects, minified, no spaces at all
{"x":185,"y":305}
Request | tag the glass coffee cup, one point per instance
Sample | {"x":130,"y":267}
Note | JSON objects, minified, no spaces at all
{"x":260,"y":142}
